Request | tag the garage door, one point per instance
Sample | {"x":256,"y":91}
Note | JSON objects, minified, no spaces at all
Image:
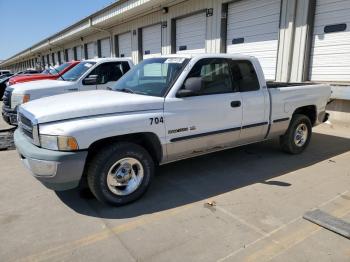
{"x":105,"y":48}
{"x":79,"y":53}
{"x":91,"y":50}
{"x":50,"y":60}
{"x":125,"y":45}
{"x":330,"y":52}
{"x":191,"y":34}
{"x":253,"y":28}
{"x":70,"y":54}
{"x":56,"y":59}
{"x":151,"y":41}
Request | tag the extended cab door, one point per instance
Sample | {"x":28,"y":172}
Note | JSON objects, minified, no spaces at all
{"x":106,"y":75}
{"x":255,"y":102}
{"x":208,"y":120}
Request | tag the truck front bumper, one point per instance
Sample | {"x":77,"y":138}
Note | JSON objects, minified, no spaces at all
{"x":9,"y":115}
{"x":55,"y":169}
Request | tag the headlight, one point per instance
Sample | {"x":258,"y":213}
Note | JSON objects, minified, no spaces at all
{"x":18,"y":100}
{"x":61,"y":143}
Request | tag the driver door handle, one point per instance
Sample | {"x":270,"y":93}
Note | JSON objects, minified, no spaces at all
{"x":235,"y":103}
{"x":72,"y":89}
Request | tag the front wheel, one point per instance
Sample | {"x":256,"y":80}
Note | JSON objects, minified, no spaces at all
{"x":120,"y":173}
{"x":297,"y":136}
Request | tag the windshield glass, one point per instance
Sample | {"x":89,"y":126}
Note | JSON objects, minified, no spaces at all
{"x":76,"y":72}
{"x":58,"y":69}
{"x":152,"y":76}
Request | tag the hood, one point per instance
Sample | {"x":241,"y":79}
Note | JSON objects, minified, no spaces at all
{"x":33,"y":77}
{"x":88,"y":103}
{"x":40,"y":85}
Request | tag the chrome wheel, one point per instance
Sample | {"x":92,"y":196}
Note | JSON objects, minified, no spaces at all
{"x":301,"y":135}
{"x":125,"y":176}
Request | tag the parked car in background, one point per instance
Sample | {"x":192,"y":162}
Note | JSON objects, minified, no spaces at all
{"x":3,"y":83}
{"x":54,"y":73}
{"x":31,"y":71}
{"x":100,"y":73}
{"x":4,"y":72}
{"x":165,"y":109}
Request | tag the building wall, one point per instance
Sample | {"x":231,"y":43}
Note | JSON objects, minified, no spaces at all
{"x":295,"y":34}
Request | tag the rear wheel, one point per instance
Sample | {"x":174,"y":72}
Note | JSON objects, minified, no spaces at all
{"x":120,"y":173}
{"x":297,"y":136}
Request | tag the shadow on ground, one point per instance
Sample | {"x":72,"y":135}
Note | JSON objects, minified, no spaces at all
{"x":205,"y":177}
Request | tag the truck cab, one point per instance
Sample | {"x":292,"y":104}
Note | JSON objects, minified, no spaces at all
{"x":92,"y":74}
{"x":163,"y":110}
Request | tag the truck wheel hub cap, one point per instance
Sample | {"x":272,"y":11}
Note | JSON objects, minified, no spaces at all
{"x":300,"y":135}
{"x":125,"y":176}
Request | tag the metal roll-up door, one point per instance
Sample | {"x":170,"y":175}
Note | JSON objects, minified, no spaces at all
{"x":191,"y":34}
{"x":70,"y":54}
{"x":50,"y":60}
{"x":151,"y":41}
{"x":91,"y":50}
{"x":105,"y":47}
{"x":253,"y":29}
{"x":63,"y":58}
{"x":79,"y":52}
{"x":56,"y":58}
{"x":125,"y":45}
{"x":330,"y":50}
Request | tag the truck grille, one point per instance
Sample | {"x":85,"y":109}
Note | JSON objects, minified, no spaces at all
{"x":26,"y":126}
{"x":7,"y":98}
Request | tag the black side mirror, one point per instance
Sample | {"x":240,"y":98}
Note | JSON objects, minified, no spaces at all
{"x":90,"y":80}
{"x":191,"y":87}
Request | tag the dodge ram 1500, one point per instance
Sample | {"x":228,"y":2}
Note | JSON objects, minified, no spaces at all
{"x":164,"y":109}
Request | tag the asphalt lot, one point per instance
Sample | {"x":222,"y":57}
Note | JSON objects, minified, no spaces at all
{"x":260,"y":195}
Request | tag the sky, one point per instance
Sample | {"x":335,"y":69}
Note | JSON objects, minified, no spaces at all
{"x":26,"y":22}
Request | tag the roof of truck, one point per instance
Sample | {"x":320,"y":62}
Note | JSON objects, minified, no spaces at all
{"x":108,"y":59}
{"x":210,"y":55}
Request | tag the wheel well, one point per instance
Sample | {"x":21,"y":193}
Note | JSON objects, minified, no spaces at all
{"x":309,"y":111}
{"x":148,"y":141}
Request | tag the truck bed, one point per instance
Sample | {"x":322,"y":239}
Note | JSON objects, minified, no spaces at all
{"x":272,"y":84}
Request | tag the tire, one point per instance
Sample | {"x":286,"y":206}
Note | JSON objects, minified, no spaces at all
{"x":289,"y":142}
{"x":109,"y":163}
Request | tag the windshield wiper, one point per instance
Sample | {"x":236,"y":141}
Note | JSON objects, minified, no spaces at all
{"x":58,"y":73}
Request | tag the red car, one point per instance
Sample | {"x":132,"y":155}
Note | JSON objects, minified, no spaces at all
{"x":53,"y":73}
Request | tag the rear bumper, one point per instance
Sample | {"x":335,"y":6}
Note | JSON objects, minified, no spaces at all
{"x":56,"y":170}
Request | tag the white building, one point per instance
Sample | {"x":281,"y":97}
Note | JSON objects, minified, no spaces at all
{"x":295,"y":40}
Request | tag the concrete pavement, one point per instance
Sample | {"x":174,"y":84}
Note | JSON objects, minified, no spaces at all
{"x":260,"y":195}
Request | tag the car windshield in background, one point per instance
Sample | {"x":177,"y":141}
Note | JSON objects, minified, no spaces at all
{"x":152,"y":76}
{"x":76,"y":72}
{"x":58,"y":69}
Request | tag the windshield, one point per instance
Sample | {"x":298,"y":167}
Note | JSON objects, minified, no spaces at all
{"x":152,"y":76}
{"x":58,"y":69}
{"x":76,"y":72}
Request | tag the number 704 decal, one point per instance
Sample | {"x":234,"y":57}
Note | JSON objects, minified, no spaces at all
{"x":156,"y":120}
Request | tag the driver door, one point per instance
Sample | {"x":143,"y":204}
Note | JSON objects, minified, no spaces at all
{"x":209,"y":120}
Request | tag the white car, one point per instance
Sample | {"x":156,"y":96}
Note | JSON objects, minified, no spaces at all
{"x":164,"y":109}
{"x":92,"y":74}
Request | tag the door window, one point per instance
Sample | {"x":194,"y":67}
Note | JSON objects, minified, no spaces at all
{"x":215,"y":75}
{"x":108,"y":72}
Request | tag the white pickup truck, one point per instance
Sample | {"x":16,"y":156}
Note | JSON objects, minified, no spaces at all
{"x":100,"y":73}
{"x":164,"y":109}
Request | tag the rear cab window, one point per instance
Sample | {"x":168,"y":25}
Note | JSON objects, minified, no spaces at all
{"x":244,"y":76}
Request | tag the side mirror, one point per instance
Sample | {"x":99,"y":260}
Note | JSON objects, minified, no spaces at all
{"x":191,"y":87}
{"x":90,"y":80}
